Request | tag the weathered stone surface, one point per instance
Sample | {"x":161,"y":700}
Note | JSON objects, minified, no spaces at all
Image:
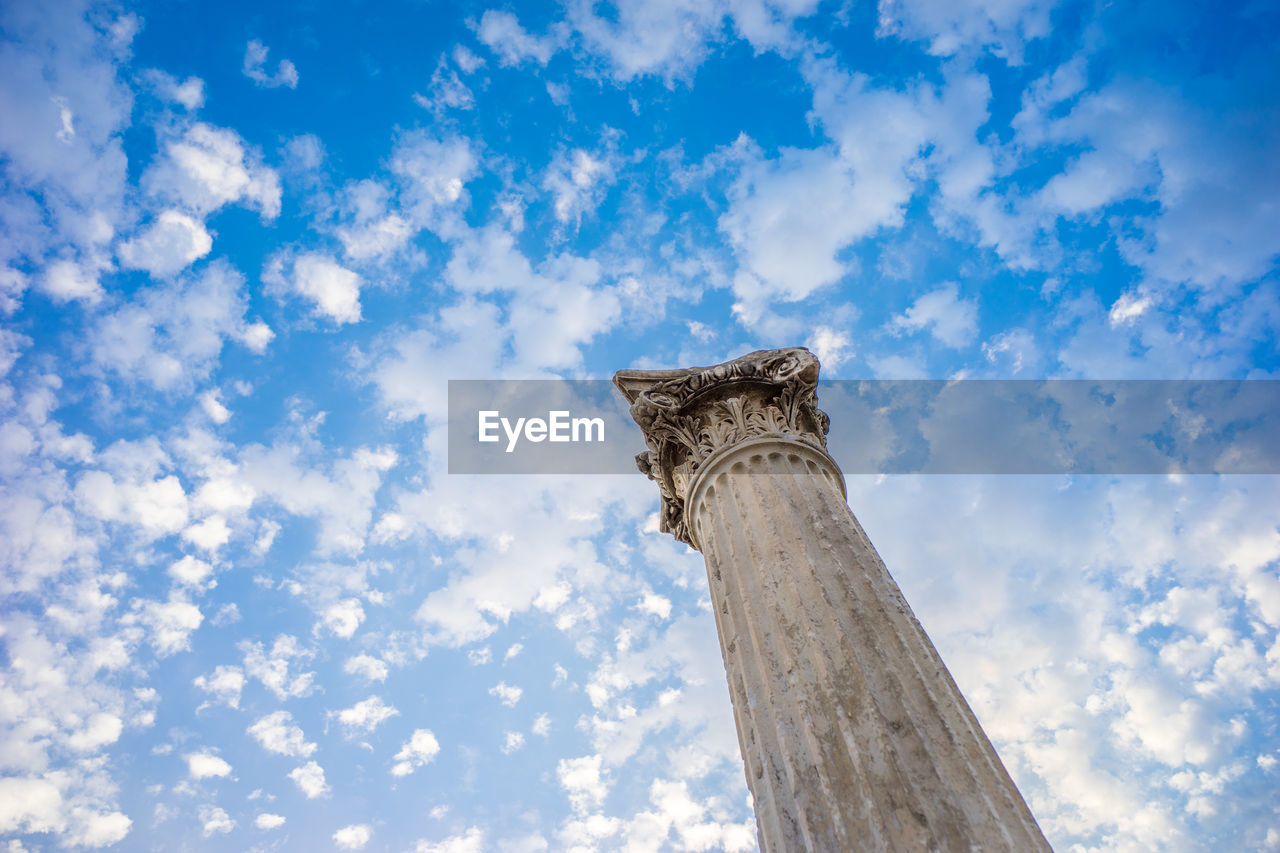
{"x":853,"y":734}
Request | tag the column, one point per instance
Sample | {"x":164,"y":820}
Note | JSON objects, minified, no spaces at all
{"x":853,"y":734}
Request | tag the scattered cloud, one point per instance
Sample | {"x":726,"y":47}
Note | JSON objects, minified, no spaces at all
{"x":205,"y":167}
{"x":277,"y":733}
{"x":421,"y":748}
{"x":577,"y":182}
{"x":207,"y":765}
{"x":310,"y":780}
{"x":255,"y":68}
{"x":502,"y":33}
{"x":225,"y":683}
{"x":171,"y":244}
{"x":273,"y":667}
{"x":333,"y":290}
{"x":367,"y":667}
{"x":194,"y":463}
{"x":353,"y":837}
{"x":367,"y":715}
{"x":189,"y":93}
{"x":967,"y":28}
{"x":583,"y":782}
{"x":949,"y":318}
{"x":215,"y":821}
{"x":507,"y":694}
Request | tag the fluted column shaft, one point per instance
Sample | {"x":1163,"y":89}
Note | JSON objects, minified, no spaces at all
{"x":853,"y":733}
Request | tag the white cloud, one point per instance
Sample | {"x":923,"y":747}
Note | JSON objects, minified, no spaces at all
{"x":29,"y":805}
{"x":967,"y":26}
{"x":206,"y":765}
{"x":12,"y":285}
{"x":367,"y":667}
{"x":375,"y":237}
{"x":555,"y":308}
{"x":209,"y":535}
{"x":225,"y":683}
{"x":447,"y":91}
{"x":551,"y":527}
{"x":344,"y":617}
{"x":66,"y":106}
{"x":669,"y":38}
{"x":674,"y":810}
{"x":171,"y":336}
{"x":189,"y":93}
{"x":332,"y":288}
{"x":310,"y":780}
{"x":583,"y":781}
{"x":578,"y":182}
{"x":951,"y":320}
{"x":1144,"y":141}
{"x":541,"y":725}
{"x":366,"y":715}
{"x":507,"y":694}
{"x":191,"y":572}
{"x":832,"y":347}
{"x":171,"y":622}
{"x":1129,"y":306}
{"x":267,"y":820}
{"x":502,"y":33}
{"x":273,"y":668}
{"x":421,"y":748}
{"x":208,"y":167}
{"x":512,"y":741}
{"x":460,"y":341}
{"x":466,"y":60}
{"x":172,"y":243}
{"x":213,"y":407}
{"x":433,"y":174}
{"x":99,"y":730}
{"x":340,"y":496}
{"x":215,"y":820}
{"x":255,"y":61}
{"x":256,"y":336}
{"x":225,"y":493}
{"x":654,"y":605}
{"x":277,"y":733}
{"x":97,"y":829}
{"x":789,"y":217}
{"x":1014,"y":350}
{"x":67,"y":281}
{"x":353,"y":837}
{"x":158,"y":506}
{"x":470,"y":841}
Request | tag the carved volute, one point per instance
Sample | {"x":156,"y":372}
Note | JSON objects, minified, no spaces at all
{"x":689,"y":415}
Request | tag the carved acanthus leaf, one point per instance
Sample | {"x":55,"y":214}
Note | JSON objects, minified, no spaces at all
{"x":689,"y":415}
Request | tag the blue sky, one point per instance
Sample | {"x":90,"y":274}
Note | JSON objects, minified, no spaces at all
{"x":245,"y":606}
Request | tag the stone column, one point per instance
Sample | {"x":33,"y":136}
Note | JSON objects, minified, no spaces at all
{"x":853,"y":733}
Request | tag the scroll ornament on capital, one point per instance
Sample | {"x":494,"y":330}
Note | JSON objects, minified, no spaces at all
{"x":689,"y":415}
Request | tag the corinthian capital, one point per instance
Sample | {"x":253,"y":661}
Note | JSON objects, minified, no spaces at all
{"x":691,"y":415}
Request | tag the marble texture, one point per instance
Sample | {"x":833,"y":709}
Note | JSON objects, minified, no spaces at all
{"x":853,"y":734}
